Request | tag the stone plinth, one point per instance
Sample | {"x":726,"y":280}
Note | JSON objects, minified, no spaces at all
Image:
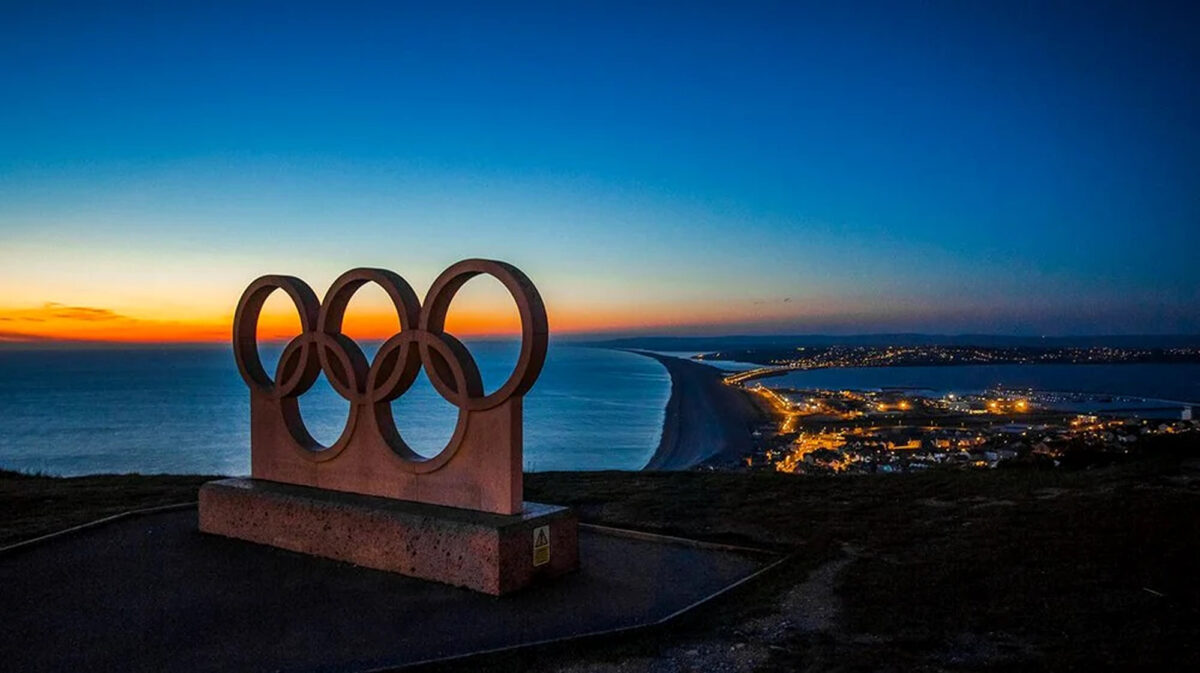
{"x":491,"y":553}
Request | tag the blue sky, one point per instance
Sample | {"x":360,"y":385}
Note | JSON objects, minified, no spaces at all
{"x":655,"y":167}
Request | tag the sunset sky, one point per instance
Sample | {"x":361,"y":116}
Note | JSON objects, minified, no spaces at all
{"x":665,"y":168}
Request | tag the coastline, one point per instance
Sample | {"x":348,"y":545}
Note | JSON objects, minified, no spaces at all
{"x":704,"y":417}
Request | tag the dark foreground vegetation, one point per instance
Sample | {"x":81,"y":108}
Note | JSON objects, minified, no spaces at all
{"x":999,"y":570}
{"x":33,"y":505}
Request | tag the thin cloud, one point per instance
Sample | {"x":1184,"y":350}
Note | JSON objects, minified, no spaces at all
{"x":86,"y":313}
{"x":11,"y":336}
{"x":54,"y":311}
{"x":55,"y":321}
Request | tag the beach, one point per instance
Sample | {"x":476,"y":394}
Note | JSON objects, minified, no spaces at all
{"x":704,"y":417}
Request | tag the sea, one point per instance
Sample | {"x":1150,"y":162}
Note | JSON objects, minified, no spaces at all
{"x":186,"y":410}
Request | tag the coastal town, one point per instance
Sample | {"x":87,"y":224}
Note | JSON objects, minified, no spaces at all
{"x":776,"y":361}
{"x":818,"y":430}
{"x":830,"y":431}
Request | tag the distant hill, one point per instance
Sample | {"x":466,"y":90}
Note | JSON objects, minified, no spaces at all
{"x":701,"y":344}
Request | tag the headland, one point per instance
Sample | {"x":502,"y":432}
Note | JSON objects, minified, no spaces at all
{"x":930,"y":570}
{"x":704,"y":419}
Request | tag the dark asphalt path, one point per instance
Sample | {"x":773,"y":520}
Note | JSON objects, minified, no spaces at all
{"x":151,"y":593}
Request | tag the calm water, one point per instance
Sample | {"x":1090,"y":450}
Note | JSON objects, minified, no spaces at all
{"x":187,"y":411}
{"x":79,"y":412}
{"x":1175,"y":382}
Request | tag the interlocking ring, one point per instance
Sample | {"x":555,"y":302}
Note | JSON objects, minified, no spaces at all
{"x":421,"y":342}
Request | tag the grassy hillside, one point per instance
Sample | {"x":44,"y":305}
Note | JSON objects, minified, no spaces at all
{"x":982,"y":570}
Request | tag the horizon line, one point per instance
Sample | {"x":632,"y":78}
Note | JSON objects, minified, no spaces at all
{"x":592,"y":337}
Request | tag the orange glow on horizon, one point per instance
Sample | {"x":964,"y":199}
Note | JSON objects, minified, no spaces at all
{"x":378,"y":326}
{"x":475,"y":315}
{"x":56,"y":322}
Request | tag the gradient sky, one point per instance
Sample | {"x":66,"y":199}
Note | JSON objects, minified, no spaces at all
{"x":654,"y":167}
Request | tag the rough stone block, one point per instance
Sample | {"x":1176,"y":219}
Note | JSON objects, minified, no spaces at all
{"x":491,"y":553}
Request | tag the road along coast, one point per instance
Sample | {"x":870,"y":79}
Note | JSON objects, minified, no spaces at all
{"x":704,"y":419}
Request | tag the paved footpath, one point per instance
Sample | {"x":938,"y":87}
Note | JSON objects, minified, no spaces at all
{"x":152,"y":593}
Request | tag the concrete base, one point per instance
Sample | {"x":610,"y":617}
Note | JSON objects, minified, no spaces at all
{"x":490,"y":553}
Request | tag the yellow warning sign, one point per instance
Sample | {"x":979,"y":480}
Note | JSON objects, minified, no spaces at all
{"x":541,"y":545}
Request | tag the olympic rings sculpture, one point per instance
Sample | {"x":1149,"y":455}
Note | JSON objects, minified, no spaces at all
{"x":370,"y":386}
